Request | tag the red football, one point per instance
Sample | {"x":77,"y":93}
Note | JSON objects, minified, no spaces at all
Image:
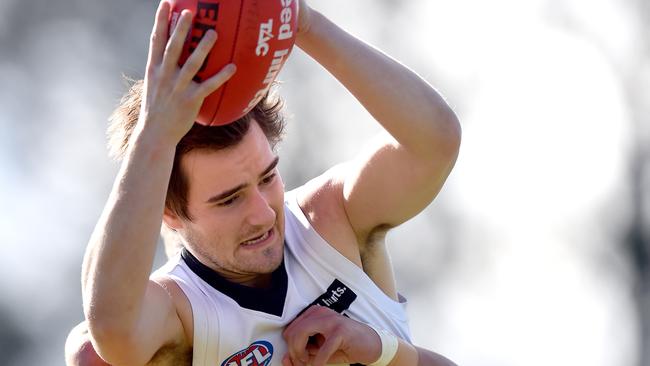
{"x":256,"y":35}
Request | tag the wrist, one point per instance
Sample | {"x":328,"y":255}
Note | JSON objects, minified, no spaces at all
{"x":389,"y":345}
{"x":308,"y":31}
{"x":159,"y":129}
{"x":150,"y":140}
{"x":304,"y":19}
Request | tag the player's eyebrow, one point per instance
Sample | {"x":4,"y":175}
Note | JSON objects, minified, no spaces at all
{"x":225,"y":194}
{"x":271,"y":166}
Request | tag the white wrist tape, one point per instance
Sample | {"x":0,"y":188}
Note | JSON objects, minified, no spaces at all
{"x":389,"y":344}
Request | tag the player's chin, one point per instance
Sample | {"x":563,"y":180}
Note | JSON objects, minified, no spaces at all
{"x":270,"y":260}
{"x":266,"y":255}
{"x":274,"y":253}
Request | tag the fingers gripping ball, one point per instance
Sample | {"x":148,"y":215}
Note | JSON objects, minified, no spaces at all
{"x":256,"y":35}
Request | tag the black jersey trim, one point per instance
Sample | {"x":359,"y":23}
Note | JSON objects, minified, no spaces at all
{"x":267,"y":300}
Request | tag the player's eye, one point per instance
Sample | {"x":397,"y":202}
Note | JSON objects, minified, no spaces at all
{"x":268,"y":179}
{"x":228,"y":202}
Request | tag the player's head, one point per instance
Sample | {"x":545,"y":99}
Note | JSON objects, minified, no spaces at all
{"x":267,"y":114}
{"x":209,"y":162}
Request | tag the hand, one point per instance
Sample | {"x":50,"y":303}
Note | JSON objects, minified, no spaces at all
{"x":322,"y":336}
{"x":171,"y":99}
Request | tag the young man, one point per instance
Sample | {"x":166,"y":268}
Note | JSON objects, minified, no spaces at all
{"x":253,"y":258}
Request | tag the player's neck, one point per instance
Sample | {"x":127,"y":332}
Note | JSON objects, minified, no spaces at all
{"x":255,"y":280}
{"x":262,"y":280}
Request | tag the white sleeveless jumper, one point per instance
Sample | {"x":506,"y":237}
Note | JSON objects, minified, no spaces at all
{"x":236,"y":325}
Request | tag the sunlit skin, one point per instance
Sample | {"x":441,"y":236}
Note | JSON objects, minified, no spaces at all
{"x":234,"y":195}
{"x":236,"y":200}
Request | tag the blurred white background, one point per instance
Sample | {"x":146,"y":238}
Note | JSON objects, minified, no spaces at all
{"x":536,"y":252}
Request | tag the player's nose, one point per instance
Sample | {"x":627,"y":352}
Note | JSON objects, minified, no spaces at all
{"x":260,"y":212}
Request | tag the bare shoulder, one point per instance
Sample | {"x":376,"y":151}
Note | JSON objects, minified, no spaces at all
{"x":181,"y":303}
{"x":321,"y":200}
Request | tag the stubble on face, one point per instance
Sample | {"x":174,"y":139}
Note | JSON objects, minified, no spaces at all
{"x":247,"y":172}
{"x":243,"y":263}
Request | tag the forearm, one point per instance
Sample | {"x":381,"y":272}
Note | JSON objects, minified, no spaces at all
{"x":406,"y":105}
{"x":409,"y":355}
{"x":120,"y":253}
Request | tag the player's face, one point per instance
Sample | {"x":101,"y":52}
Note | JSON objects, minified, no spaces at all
{"x":236,"y":202}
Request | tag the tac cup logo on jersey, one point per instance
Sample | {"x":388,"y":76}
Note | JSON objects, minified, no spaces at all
{"x":257,"y":354}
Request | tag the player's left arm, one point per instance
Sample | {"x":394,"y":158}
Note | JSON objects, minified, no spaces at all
{"x":403,"y":170}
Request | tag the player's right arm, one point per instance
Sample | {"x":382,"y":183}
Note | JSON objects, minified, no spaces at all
{"x":129,"y":316}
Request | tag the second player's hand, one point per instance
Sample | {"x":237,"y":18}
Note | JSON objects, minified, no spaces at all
{"x":171,"y":99}
{"x":322,"y":336}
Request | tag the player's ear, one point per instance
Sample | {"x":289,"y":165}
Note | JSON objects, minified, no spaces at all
{"x":172,"y":220}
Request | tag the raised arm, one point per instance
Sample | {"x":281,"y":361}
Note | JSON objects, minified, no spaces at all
{"x":129,"y":316}
{"x":401,"y":172}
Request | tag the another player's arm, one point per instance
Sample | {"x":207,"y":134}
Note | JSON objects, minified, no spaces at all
{"x":79,"y":350}
{"x":129,"y":316}
{"x":401,"y":173}
{"x":322,"y":336}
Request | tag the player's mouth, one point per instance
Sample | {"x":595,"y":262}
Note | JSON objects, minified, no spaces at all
{"x":259,"y":240}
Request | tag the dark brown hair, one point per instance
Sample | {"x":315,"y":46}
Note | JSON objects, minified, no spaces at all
{"x":267,"y":113}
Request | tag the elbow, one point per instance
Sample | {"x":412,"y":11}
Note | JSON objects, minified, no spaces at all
{"x":436,"y":143}
{"x":79,"y":350}
{"x":450,"y":133}
{"x":442,"y":141}
{"x":84,"y":355}
{"x":111,"y":341}
{"x":109,"y":328}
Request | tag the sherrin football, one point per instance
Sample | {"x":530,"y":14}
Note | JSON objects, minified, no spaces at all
{"x":256,"y":35}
